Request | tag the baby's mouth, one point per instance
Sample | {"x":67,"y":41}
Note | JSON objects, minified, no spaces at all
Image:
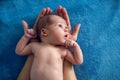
{"x":66,"y":36}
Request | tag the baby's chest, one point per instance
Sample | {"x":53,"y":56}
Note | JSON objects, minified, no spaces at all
{"x":51,"y":52}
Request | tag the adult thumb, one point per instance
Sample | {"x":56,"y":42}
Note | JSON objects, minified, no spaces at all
{"x":76,"y":31}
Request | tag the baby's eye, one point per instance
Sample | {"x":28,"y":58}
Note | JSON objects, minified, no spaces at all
{"x":60,"y":25}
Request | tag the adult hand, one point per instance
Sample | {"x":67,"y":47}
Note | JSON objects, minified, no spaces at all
{"x":60,"y":12}
{"x":63,"y":13}
{"x":45,"y":11}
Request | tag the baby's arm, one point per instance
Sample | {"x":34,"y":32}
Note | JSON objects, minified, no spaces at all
{"x":76,"y":57}
{"x":22,"y":47}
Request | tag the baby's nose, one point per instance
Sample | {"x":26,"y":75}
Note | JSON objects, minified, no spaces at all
{"x":66,"y":29}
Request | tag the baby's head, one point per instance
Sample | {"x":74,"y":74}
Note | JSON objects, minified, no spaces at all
{"x":51,"y":27}
{"x":43,"y":22}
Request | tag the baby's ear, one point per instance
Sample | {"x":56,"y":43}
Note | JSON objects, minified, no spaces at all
{"x":44,"y":32}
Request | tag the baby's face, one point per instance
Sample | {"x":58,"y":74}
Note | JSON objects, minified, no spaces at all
{"x":58,"y":30}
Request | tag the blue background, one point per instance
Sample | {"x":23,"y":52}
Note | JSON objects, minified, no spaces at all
{"x":99,"y":36}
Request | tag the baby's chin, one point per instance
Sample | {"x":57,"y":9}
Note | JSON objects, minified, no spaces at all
{"x":61,"y":43}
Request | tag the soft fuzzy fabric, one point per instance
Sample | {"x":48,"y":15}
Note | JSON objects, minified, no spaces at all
{"x":99,"y":36}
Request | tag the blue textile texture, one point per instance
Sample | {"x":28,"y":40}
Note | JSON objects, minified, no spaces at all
{"x":99,"y":36}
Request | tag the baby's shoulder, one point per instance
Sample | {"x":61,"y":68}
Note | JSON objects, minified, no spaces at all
{"x":35,"y":44}
{"x":66,"y":50}
{"x":63,"y":51}
{"x":62,"y":48}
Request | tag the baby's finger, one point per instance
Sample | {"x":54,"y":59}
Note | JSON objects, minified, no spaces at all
{"x":67,"y":43}
{"x":33,"y":32}
{"x":34,"y":36}
{"x":28,"y":31}
{"x":25,"y":25}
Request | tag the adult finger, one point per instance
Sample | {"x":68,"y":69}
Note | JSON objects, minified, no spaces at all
{"x":76,"y":31}
{"x":66,"y":17}
{"x":50,"y":12}
{"x":47,"y":11}
{"x":42,"y":13}
{"x":58,"y":11}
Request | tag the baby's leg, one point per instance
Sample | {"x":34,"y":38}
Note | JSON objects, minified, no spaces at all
{"x":68,"y":71}
{"x":25,"y":72}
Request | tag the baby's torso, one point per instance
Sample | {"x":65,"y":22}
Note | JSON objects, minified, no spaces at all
{"x":48,"y":62}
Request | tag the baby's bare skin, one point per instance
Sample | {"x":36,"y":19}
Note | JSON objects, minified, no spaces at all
{"x":68,"y":71}
{"x":48,"y":57}
{"x":48,"y":62}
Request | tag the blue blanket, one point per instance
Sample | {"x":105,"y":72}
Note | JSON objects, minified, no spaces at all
{"x":99,"y":36}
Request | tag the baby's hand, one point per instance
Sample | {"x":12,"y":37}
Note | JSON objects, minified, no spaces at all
{"x":70,"y":43}
{"x":29,"y":33}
